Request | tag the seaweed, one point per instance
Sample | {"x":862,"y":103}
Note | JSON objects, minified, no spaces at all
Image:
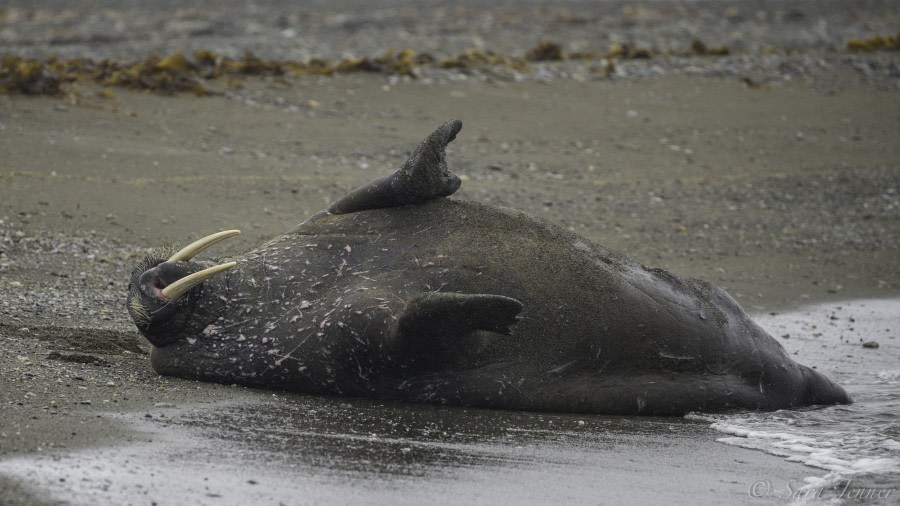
{"x":29,"y":77}
{"x":875,"y":43}
{"x":475,"y":58}
{"x":629,"y":51}
{"x":699,"y":48}
{"x":181,"y":73}
{"x":402,"y":63}
{"x":546,"y":51}
{"x":168,"y":75}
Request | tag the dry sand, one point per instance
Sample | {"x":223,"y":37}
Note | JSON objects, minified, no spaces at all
{"x":779,"y":195}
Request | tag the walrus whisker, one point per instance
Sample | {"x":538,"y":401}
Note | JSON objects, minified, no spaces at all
{"x":177,"y":289}
{"x":193,"y":249}
{"x":139,"y":313}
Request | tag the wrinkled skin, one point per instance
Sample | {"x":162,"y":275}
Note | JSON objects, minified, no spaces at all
{"x":455,"y":302}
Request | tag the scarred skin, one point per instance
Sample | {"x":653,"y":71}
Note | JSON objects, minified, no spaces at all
{"x":436,"y":300}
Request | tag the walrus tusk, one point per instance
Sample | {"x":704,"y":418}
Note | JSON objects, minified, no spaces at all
{"x":193,"y":249}
{"x":181,"y":287}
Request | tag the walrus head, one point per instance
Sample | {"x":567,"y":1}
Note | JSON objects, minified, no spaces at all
{"x":162,"y":291}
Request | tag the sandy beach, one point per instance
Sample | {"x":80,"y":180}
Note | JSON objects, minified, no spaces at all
{"x":783,"y":190}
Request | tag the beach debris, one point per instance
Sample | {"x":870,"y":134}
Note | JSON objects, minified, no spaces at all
{"x":875,"y":43}
{"x":179,"y":72}
{"x":402,"y":63}
{"x":546,"y":51}
{"x":29,"y":77}
{"x":699,"y":48}
{"x":475,"y":58}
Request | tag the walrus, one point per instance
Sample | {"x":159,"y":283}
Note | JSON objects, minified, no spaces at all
{"x":397,"y":292}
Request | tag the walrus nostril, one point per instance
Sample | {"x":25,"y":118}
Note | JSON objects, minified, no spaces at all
{"x":152,"y":283}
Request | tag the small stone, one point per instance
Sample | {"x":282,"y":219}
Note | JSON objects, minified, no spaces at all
{"x":870,"y":344}
{"x":86,"y":402}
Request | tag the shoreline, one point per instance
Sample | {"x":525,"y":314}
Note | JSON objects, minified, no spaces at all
{"x":626,"y":448}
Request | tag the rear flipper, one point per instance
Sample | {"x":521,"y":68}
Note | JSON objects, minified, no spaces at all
{"x":452,"y":329}
{"x":423,"y":177}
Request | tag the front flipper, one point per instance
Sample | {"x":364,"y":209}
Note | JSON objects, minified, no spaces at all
{"x":441,"y":329}
{"x":423,"y":177}
{"x":457,"y":314}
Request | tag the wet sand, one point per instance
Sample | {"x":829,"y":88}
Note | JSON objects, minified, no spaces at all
{"x":784,"y":194}
{"x":303,"y":450}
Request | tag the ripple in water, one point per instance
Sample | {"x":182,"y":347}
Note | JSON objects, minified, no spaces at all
{"x":858,"y":446}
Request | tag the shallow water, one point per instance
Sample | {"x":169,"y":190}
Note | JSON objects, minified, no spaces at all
{"x":291,"y":449}
{"x":856,"y":447}
{"x":308,"y":450}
